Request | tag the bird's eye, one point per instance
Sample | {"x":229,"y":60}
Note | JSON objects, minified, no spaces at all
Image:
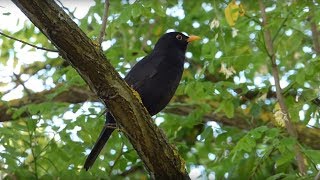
{"x":179,"y":37}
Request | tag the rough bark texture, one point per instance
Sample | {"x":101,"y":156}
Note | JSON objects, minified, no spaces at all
{"x":160,"y":158}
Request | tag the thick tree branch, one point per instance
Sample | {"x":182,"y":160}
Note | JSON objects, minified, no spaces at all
{"x":286,"y":117}
{"x":160,"y":158}
{"x":71,"y":95}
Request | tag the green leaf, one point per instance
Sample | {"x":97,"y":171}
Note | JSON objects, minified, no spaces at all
{"x":136,"y":10}
{"x":131,"y":156}
{"x":300,"y":78}
{"x":246,"y":143}
{"x":125,"y":16}
{"x":258,"y":132}
{"x":159,"y":9}
{"x":122,"y":163}
{"x":314,"y":155}
{"x":208,"y":132}
{"x":285,"y":158}
{"x":17,"y":113}
{"x":276,"y":177}
{"x":228,"y":108}
{"x":255,"y":110}
{"x":273,"y":132}
{"x":287,"y":144}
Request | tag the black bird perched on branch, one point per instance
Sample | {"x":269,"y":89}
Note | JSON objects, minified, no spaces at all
{"x":156,"y":78}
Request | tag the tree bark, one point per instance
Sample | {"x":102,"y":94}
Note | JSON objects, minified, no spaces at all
{"x":160,"y":158}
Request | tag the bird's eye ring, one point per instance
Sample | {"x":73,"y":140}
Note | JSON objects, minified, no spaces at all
{"x":179,"y":37}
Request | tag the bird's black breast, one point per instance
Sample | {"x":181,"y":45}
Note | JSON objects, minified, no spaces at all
{"x":156,"y":78}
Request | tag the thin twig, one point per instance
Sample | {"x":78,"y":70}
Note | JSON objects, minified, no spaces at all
{"x":10,"y":90}
{"x":31,"y":138}
{"x":281,"y":26}
{"x":17,"y":76}
{"x":253,"y":19}
{"x":104,"y":21}
{"x":147,"y":36}
{"x":50,"y":162}
{"x":318,"y":176}
{"x":37,"y":47}
{"x":272,"y":55}
{"x":117,"y":158}
{"x":132,"y":170}
{"x":66,"y":9}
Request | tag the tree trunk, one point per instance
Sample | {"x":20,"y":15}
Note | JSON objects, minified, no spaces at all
{"x":160,"y":158}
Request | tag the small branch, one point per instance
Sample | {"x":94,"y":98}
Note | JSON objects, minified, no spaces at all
{"x":37,"y":47}
{"x":288,"y":122}
{"x":31,"y":138}
{"x":117,"y":158}
{"x":147,"y":36}
{"x":318,"y":176}
{"x":10,"y":90}
{"x":104,"y":21}
{"x":17,"y":76}
{"x":315,"y":35}
{"x":66,"y":9}
{"x":50,"y":162}
{"x":131,"y":171}
{"x":252,"y":18}
{"x":281,"y":26}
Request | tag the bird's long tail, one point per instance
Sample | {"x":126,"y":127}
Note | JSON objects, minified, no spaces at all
{"x":102,"y":140}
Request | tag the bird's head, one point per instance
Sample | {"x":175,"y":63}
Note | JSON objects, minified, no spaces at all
{"x":173,"y":40}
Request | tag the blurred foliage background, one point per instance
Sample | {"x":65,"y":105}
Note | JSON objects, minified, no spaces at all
{"x":223,"y":118}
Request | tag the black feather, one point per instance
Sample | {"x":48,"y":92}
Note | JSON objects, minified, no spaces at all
{"x":156,"y":78}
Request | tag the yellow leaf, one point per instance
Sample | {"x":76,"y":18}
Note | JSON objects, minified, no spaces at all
{"x":233,"y":11}
{"x":278,"y":116}
{"x":241,"y":10}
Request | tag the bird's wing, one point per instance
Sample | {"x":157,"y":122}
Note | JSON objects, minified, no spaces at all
{"x":143,"y":70}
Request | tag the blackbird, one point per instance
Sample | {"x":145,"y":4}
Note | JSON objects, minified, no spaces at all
{"x":155,"y":77}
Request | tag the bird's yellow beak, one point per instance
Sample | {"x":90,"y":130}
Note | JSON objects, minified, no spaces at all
{"x":193,"y":38}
